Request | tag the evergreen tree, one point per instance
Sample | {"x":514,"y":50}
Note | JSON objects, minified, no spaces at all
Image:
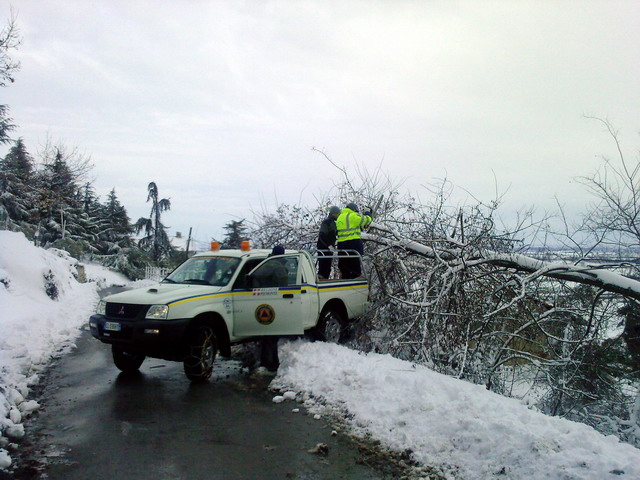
{"x":116,"y":230}
{"x":86,"y":217}
{"x":90,"y":202}
{"x":62,"y":180}
{"x":94,"y":213}
{"x":236,"y":233}
{"x":79,"y":233}
{"x":156,"y":241}
{"x":115,"y":246}
{"x":5,"y":124}
{"x":16,"y":192}
{"x":19,"y":161}
{"x":59,"y":202}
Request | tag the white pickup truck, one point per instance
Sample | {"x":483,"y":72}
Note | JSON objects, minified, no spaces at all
{"x":218,"y":298}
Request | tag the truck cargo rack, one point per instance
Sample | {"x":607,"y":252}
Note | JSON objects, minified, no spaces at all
{"x":336,"y":254}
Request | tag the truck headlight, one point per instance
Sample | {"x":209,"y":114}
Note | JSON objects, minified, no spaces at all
{"x":157,"y":312}
{"x":101,"y":309}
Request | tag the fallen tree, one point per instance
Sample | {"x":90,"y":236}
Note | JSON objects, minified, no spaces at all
{"x":457,"y":257}
{"x":453,"y":291}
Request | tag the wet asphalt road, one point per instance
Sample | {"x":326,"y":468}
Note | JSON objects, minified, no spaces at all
{"x":97,"y":423}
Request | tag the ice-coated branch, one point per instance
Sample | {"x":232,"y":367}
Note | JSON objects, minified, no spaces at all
{"x":451,"y":252}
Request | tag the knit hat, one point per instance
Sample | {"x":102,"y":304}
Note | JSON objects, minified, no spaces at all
{"x":333,"y":209}
{"x":352,"y":206}
{"x":277,"y":250}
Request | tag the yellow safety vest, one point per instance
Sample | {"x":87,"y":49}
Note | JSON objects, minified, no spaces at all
{"x":350,"y":224}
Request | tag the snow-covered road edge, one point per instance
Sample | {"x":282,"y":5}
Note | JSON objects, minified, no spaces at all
{"x":43,"y":310}
{"x":457,"y":427}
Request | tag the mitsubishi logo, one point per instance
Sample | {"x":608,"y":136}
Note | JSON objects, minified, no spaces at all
{"x":121,"y":312}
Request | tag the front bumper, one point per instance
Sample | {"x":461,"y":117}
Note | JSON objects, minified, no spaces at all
{"x":154,"y":338}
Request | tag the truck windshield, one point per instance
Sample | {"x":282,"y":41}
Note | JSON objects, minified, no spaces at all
{"x":216,"y":271}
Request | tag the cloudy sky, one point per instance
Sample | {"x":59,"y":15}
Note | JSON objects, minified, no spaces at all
{"x":220,"y":102}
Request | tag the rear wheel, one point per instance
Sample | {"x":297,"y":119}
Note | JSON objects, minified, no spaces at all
{"x":126,"y":361}
{"x":202,"y":349}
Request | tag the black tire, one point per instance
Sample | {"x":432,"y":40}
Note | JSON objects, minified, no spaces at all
{"x":126,"y":361}
{"x":331,"y":327}
{"x":202,"y":348}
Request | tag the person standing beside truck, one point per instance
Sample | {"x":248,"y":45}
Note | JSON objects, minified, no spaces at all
{"x":327,"y":239}
{"x":350,"y":225}
{"x":277,"y":276}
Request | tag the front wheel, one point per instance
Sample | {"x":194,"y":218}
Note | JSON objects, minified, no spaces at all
{"x":126,"y":361}
{"x":202,"y":348}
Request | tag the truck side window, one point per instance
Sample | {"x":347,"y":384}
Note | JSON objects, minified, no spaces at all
{"x":291,"y":265}
{"x":241,"y":281}
{"x":277,"y":272}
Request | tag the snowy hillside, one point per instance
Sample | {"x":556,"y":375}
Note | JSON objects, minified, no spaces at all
{"x":42,"y":309}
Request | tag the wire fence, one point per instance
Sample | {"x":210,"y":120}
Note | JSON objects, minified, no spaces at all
{"x":156,"y":273}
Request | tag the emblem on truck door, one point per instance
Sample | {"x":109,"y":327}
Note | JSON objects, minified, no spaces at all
{"x":265,"y":314}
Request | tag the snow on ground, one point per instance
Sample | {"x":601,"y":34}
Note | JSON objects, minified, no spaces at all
{"x":460,"y":428}
{"x":35,"y":327}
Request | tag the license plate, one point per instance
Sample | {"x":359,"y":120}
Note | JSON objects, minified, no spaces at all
{"x":112,"y":326}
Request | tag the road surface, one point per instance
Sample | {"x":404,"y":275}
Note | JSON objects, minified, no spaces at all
{"x":97,"y":423}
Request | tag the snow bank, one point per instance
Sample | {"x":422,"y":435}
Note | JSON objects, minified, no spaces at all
{"x":457,"y":427}
{"x":42,"y":307}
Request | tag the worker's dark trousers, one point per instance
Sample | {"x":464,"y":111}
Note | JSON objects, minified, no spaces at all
{"x":350,"y":266}
{"x":324,"y":264}
{"x":269,"y":353}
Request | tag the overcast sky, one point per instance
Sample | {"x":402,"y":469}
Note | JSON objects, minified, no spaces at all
{"x":220,"y":102}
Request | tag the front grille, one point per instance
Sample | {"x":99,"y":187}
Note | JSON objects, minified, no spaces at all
{"x":125,"y":310}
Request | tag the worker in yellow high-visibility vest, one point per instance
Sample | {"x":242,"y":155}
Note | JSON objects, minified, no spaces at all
{"x":350,"y":225}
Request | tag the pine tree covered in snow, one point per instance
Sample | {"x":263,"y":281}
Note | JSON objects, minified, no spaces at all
{"x":84,"y":222}
{"x":116,"y":230}
{"x":6,"y":124}
{"x":59,"y":202}
{"x":116,"y":248}
{"x":16,"y":186}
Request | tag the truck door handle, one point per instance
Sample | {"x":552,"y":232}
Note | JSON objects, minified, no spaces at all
{"x":287,"y":295}
{"x":303,"y":291}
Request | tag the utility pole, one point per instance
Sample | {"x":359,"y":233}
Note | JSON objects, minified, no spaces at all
{"x":188,"y":242}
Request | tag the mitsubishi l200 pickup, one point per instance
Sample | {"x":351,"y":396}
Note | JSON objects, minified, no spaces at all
{"x":218,"y":298}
